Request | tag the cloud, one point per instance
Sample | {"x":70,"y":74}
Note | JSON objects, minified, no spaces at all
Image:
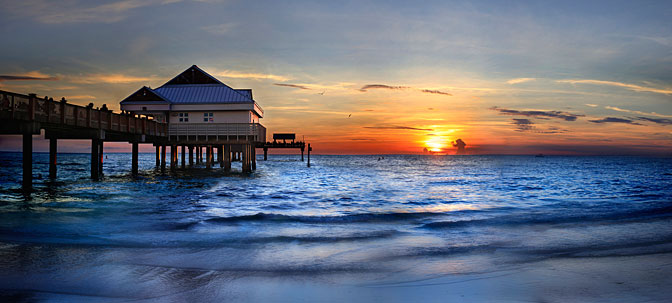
{"x":397,"y":127}
{"x":80,"y":97}
{"x":655,"y":120}
{"x":393,"y":87}
{"x":383,"y":86}
{"x":637,"y":112}
{"x":526,"y":125}
{"x":614,"y":120}
{"x":219,"y":29}
{"x":591,"y":105}
{"x":25,"y":78}
{"x":520,"y":80}
{"x":632,"y":87}
{"x":256,"y":76}
{"x":52,"y":12}
{"x":538,"y":113}
{"x":291,"y":85}
{"x":523,"y":124}
{"x":431,"y":91}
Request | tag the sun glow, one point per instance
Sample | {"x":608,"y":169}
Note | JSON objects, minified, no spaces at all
{"x":435,"y":144}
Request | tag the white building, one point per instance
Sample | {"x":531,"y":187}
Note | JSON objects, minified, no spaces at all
{"x":199,"y":109}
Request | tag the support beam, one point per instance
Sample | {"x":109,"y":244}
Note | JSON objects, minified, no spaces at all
{"x":163,"y":157}
{"x":134,"y":159}
{"x":183,"y":156}
{"x":309,"y":149}
{"x":95,"y":159}
{"x":27,"y":162}
{"x":100,"y":156}
{"x":191,"y":155}
{"x":220,"y":157}
{"x":158,"y":156}
{"x":253,"y":150}
{"x":173,"y":156}
{"x":227,"y":157}
{"x":302,"y":148}
{"x":265,"y":153}
{"x":245,"y":159}
{"x":208,"y":156}
{"x":53,"y":149}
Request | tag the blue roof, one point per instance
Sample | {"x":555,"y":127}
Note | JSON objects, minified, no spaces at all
{"x":202,"y":93}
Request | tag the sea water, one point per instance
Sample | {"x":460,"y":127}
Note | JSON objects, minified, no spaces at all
{"x":345,"y":228}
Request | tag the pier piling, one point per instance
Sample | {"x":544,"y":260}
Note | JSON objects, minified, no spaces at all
{"x":53,"y":148}
{"x":191,"y":155}
{"x":227,"y":157}
{"x":158,"y":156}
{"x":183,"y":156}
{"x":95,"y":159}
{"x":134,"y":159}
{"x":163,"y":157}
{"x":265,"y":153}
{"x":208,"y":156}
{"x":27,"y":162}
{"x":253,"y":150}
{"x":309,"y":149}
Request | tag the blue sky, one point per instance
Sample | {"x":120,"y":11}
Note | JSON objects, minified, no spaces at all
{"x":597,"y":60}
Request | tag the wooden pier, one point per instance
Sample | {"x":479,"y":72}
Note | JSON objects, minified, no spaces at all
{"x":28,"y":115}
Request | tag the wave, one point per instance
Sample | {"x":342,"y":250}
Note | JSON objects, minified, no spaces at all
{"x":355,"y":218}
{"x":663,"y":212}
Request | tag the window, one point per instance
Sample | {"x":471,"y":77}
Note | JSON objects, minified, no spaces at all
{"x":208,"y":117}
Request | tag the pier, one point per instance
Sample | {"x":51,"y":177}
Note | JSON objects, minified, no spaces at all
{"x":208,"y":145}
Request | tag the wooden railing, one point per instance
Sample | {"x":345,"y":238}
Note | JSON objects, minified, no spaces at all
{"x":32,"y":108}
{"x":242,"y":131}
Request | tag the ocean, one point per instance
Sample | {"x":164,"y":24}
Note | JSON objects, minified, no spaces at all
{"x":391,"y":228}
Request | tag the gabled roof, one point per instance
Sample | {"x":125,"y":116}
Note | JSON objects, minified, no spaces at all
{"x":192,"y":86}
{"x":193,"y":75}
{"x":146,"y":94}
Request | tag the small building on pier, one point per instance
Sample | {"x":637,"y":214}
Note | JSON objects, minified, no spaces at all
{"x":194,"y":104}
{"x":202,"y":112}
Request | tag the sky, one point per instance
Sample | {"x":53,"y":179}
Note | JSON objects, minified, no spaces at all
{"x":372,"y":77}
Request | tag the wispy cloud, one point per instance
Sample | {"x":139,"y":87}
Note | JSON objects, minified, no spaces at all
{"x":633,"y":87}
{"x":526,"y":125}
{"x":52,"y":12}
{"x":520,"y":80}
{"x":395,"y":87}
{"x":26,"y":78}
{"x":397,"y":127}
{"x":614,"y":120}
{"x":523,"y":124}
{"x":219,"y":29}
{"x":662,"y":121}
{"x":637,"y":112}
{"x":291,"y":85}
{"x":80,"y":97}
{"x":438,"y":92}
{"x":591,"y":105}
{"x":538,"y":113}
{"x":246,"y":75}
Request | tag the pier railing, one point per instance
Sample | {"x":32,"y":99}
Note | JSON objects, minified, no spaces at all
{"x":218,"y":131}
{"x":30,"y":108}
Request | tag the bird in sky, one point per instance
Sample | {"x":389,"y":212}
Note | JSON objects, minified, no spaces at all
{"x":350,"y":115}
{"x":322,"y":93}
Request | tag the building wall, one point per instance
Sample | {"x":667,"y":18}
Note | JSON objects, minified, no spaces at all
{"x":216,"y":117}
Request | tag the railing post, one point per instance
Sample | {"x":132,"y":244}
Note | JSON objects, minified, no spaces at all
{"x":63,"y":101}
{"x":31,"y":106}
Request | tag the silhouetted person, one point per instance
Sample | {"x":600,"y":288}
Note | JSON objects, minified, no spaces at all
{"x":104,"y":108}
{"x":460,"y":147}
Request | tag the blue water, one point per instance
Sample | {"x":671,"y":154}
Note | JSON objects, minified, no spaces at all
{"x":195,"y":234}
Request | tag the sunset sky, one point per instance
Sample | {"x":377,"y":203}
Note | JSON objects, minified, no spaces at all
{"x":556,"y":77}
